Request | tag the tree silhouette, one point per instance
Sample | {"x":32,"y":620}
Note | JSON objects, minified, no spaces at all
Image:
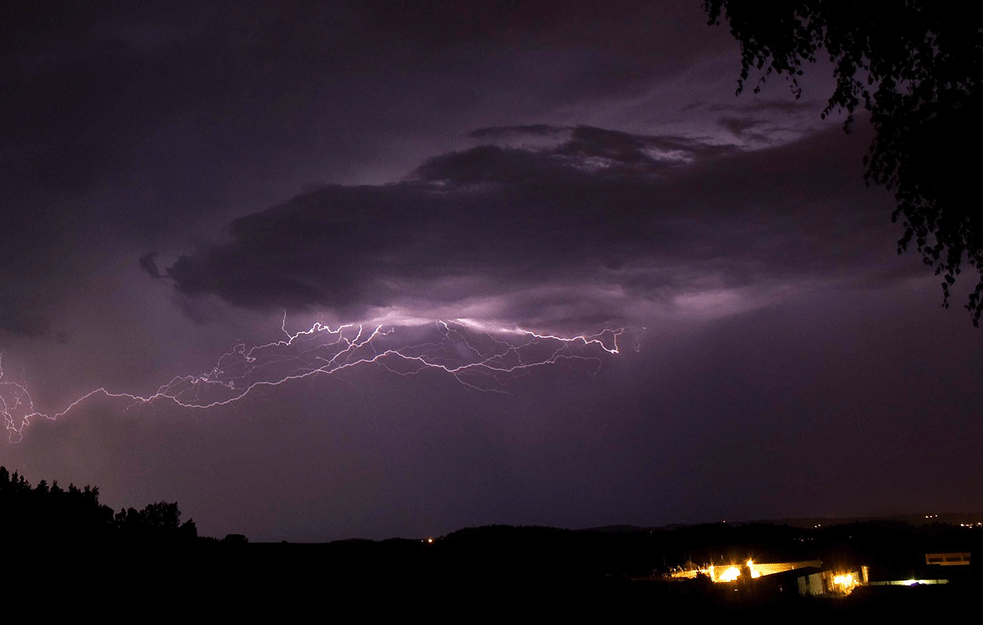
{"x":55,"y":516}
{"x":159,"y":521}
{"x":917,"y":68}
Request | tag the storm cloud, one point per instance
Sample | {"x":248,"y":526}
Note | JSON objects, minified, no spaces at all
{"x":616,"y":223}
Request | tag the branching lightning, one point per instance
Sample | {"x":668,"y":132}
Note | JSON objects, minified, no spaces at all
{"x":477,"y":355}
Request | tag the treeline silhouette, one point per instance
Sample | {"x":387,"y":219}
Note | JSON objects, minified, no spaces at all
{"x":52,"y":516}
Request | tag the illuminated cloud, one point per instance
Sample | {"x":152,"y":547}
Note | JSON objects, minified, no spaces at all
{"x":581,"y":226}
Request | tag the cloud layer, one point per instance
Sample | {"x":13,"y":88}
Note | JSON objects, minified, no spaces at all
{"x":561,"y":225}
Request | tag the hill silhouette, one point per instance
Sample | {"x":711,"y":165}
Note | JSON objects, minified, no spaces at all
{"x":65,"y":543}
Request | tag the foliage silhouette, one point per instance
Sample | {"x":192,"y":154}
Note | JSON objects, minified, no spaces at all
{"x":159,"y":521}
{"x":917,"y":68}
{"x":53,"y":515}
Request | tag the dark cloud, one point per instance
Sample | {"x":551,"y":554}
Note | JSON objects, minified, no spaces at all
{"x":17,"y":319}
{"x":498,"y":132}
{"x":535,"y":229}
{"x":739,"y":126}
{"x":88,"y":91}
{"x":762,"y":105}
{"x":121,"y":119}
{"x":760,"y":120}
{"x":148,"y":262}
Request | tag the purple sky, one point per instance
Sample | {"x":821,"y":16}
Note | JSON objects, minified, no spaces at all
{"x":177,"y":176}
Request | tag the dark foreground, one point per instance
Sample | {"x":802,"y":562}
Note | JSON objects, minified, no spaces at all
{"x":486,"y":573}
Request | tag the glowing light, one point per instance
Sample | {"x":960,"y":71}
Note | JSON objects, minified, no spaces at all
{"x":754,"y":571}
{"x":845,"y":582}
{"x":480,"y":356}
{"x":729,"y":575}
{"x":920,"y":582}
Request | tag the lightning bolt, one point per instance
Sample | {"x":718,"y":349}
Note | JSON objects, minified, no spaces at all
{"x":480,"y":356}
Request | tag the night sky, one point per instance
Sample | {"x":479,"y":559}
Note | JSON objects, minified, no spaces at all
{"x":180,"y":178}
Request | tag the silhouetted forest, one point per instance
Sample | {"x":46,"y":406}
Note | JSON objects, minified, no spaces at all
{"x":55,"y":516}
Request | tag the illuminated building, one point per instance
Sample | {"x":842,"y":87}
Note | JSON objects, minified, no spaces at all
{"x":960,"y":558}
{"x":833,"y":582}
